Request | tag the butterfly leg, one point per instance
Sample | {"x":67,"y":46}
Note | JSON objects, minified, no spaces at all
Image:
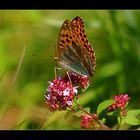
{"x":56,"y":68}
{"x":56,"y":72}
{"x":69,"y":77}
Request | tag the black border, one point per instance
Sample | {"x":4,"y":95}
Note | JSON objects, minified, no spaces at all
{"x":69,"y":4}
{"x":70,"y":134}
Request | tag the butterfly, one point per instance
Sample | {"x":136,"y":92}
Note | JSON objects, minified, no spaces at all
{"x":73,"y":51}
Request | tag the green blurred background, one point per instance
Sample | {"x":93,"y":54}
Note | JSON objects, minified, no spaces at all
{"x":27,"y":44}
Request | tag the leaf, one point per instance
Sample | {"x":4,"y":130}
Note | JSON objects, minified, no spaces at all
{"x":103,"y":105}
{"x":133,"y":112}
{"x":119,"y":119}
{"x":103,"y":120}
{"x":114,"y":113}
{"x":81,"y":113}
{"x":131,"y":117}
{"x":131,"y":120}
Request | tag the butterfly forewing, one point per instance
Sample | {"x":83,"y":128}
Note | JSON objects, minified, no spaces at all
{"x":73,"y":50}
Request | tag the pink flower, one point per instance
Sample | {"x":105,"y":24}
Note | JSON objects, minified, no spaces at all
{"x":120,"y":102}
{"x":78,"y":80}
{"x":87,"y":121}
{"x":60,"y":94}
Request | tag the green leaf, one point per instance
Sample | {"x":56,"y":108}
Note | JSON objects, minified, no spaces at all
{"x":103,"y":105}
{"x":131,"y":120}
{"x":131,"y":117}
{"x":119,"y":119}
{"x":114,"y":113}
{"x":133,"y":112}
{"x":103,"y":120}
{"x":81,"y":113}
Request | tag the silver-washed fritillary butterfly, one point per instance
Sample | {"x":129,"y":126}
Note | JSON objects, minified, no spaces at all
{"x":73,"y":50}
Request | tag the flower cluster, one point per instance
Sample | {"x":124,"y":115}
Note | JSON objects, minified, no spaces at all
{"x":87,"y":121}
{"x":60,"y":94}
{"x":120,"y":102}
{"x":78,"y":80}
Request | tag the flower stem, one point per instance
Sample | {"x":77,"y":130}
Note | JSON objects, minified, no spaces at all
{"x":118,"y":127}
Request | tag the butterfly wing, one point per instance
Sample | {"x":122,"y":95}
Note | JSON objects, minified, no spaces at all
{"x":80,"y":31}
{"x":72,"y":58}
{"x":73,"y":50}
